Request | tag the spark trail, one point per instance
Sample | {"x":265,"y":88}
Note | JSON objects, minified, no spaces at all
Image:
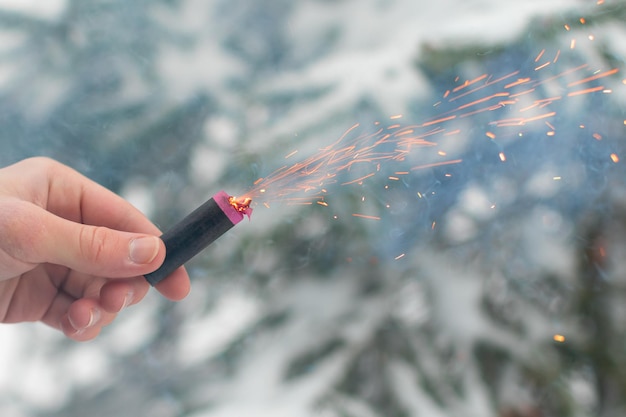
{"x":510,"y":101}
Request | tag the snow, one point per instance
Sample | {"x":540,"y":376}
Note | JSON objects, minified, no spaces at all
{"x":46,"y":9}
{"x":376,"y":46}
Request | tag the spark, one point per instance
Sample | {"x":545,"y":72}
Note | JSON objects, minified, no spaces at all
{"x":467,"y":83}
{"x":543,"y":51}
{"x":361,"y":151}
{"x":291,"y":154}
{"x":614,"y":158}
{"x":365,"y":216}
{"x":453,"y":132}
{"x":520,"y":81}
{"x":559,"y":338}
{"x":594,"y":77}
{"x":402,"y":255}
{"x":241,"y":204}
{"x":436,"y":164}
{"x":437,"y":121}
{"x":359,"y":180}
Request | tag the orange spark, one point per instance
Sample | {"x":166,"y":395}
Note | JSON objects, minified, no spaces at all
{"x":359,"y":179}
{"x":436,"y":164}
{"x":614,"y":158}
{"x":468,"y":83}
{"x":540,"y":55}
{"x":453,"y":132}
{"x":542,"y":66}
{"x":518,"y":82}
{"x":521,"y":93}
{"x":502,"y":156}
{"x":543,"y":116}
{"x":482,"y":100}
{"x":594,"y":77}
{"x":364,"y":216}
{"x":437,"y":121}
{"x":585,"y":91}
{"x":487,"y":84}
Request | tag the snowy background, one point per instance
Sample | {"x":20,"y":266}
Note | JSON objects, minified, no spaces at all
{"x":492,"y":287}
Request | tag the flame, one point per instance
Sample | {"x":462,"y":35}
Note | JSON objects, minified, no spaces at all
{"x":241,"y":204}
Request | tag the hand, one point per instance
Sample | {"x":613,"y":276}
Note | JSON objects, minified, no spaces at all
{"x":72,"y":253}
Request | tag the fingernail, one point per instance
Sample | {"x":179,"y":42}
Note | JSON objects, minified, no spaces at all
{"x":94,"y":317}
{"x":128,"y":299}
{"x":143,"y":250}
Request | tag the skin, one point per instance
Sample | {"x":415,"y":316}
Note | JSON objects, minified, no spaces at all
{"x":72,"y":253}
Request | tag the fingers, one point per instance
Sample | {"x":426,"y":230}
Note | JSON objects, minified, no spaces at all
{"x":84,"y":320}
{"x":176,"y":286}
{"x":75,"y":197}
{"x":37,"y":236}
{"x":51,"y":214}
{"x":65,"y":192}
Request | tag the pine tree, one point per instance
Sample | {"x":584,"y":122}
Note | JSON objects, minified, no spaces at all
{"x":492,"y":287}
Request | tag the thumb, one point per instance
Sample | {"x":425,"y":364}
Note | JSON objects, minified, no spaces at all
{"x":94,"y":250}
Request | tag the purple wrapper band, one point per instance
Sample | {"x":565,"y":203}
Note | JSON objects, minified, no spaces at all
{"x":233,"y":215}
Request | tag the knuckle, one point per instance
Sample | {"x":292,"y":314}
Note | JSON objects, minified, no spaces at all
{"x":93,"y":243}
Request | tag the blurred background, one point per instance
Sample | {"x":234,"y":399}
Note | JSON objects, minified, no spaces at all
{"x":491,"y":287}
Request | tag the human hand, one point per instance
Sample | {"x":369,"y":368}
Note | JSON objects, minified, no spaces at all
{"x":72,"y":253}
